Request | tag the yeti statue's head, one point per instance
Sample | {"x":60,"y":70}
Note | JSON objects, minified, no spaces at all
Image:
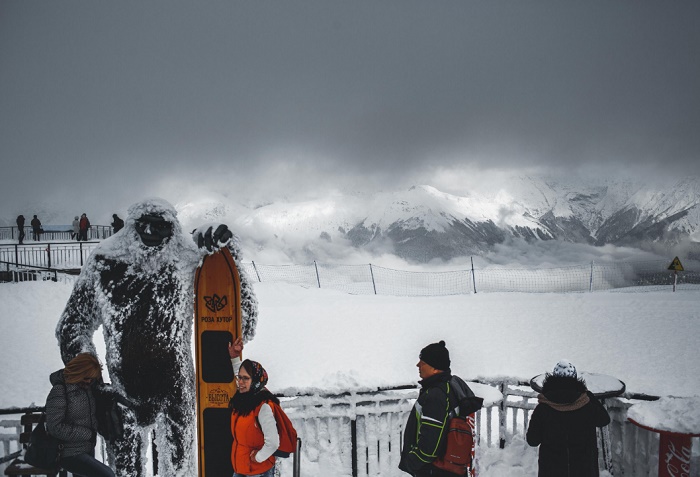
{"x":153,"y":229}
{"x":154,"y":220}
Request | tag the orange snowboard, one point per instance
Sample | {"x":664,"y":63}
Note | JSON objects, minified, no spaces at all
{"x":217,"y":291}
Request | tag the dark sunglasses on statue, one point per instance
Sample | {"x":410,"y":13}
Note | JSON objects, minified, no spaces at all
{"x":154,"y":225}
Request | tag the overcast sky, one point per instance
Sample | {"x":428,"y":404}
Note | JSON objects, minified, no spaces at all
{"x":108,"y":102}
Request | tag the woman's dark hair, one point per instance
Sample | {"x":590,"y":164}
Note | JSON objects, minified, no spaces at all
{"x":247,"y":366}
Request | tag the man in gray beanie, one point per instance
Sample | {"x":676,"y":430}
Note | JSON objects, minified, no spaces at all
{"x":442,"y":395}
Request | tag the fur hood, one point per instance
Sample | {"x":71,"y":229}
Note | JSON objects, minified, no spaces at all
{"x":563,"y":390}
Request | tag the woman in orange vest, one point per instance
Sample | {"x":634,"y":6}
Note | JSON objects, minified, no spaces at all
{"x":253,"y":425}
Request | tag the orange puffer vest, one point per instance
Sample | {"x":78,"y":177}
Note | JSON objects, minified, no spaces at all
{"x":248,"y":437}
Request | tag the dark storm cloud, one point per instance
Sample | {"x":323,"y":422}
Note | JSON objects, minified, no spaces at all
{"x":122,"y":94}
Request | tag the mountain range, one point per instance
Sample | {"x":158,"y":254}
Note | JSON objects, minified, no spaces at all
{"x":422,"y":223}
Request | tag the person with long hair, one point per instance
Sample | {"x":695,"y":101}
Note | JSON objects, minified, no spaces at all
{"x":253,"y":425}
{"x":71,"y":417}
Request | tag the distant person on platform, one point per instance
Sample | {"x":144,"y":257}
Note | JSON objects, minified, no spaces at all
{"x":20,"y":228}
{"x":84,"y":227}
{"x":564,"y":425}
{"x":118,"y":223}
{"x":76,"y":229}
{"x":36,"y":228}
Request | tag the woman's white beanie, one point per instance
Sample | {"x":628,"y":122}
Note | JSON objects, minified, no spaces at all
{"x":564,"y":368}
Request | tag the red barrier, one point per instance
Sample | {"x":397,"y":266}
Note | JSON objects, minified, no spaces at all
{"x":674,"y":451}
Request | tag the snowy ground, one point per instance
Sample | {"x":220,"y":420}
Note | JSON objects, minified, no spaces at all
{"x":315,"y":338}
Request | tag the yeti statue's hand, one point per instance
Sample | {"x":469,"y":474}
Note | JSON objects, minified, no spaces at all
{"x":210,"y":237}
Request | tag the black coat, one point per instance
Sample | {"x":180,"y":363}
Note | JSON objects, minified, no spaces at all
{"x":118,"y":224}
{"x":564,"y":426}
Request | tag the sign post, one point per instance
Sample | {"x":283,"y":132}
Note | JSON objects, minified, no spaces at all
{"x":676,"y":267}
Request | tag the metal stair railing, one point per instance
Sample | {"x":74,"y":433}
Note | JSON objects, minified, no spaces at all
{"x":13,"y":273}
{"x":70,"y":255}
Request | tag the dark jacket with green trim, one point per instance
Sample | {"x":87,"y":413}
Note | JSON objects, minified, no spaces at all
{"x":564,"y":426}
{"x":425,"y":432}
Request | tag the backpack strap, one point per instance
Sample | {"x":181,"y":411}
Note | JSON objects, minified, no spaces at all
{"x":448,"y":391}
{"x":469,"y":404}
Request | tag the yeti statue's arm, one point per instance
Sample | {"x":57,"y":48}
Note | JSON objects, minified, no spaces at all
{"x":78,"y":322}
{"x":211,"y":237}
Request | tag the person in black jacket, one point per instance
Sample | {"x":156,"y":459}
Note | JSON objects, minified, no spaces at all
{"x":564,"y":425}
{"x":20,"y":228}
{"x":118,"y":223}
{"x":424,"y":435}
{"x":36,"y":228}
{"x":71,"y":416}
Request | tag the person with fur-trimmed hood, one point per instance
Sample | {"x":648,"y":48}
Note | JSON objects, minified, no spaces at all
{"x":441,"y":392}
{"x":564,"y":425}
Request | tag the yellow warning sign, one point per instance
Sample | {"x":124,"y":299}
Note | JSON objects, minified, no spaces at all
{"x":676,"y":265}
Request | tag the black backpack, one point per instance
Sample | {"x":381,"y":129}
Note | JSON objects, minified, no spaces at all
{"x":44,"y":450}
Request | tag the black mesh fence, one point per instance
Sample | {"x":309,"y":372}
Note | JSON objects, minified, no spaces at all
{"x":372,"y":279}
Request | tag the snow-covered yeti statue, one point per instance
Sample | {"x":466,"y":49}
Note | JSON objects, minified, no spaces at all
{"x":138,"y":284}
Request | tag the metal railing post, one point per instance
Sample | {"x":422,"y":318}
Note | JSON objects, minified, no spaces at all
{"x":353,"y":446}
{"x":297,"y":459}
{"x":48,"y":254}
{"x":502,"y":416}
{"x":590,"y":285}
{"x":81,"y":253}
{"x":372,"y":274}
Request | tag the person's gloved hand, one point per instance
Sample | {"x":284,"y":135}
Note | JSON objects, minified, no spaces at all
{"x":212,"y":236}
